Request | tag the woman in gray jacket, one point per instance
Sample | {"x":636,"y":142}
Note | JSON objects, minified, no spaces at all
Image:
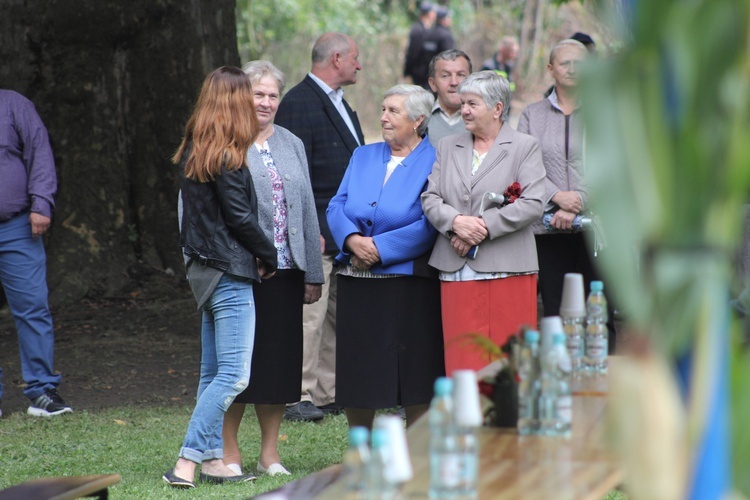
{"x":286,"y":213}
{"x":557,"y":123}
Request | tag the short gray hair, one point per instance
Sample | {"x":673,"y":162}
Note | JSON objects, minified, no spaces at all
{"x":418,"y":103}
{"x":568,"y":42}
{"x":328,"y":44}
{"x":491,"y":87}
{"x":256,"y":70}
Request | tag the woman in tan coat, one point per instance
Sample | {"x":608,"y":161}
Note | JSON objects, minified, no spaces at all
{"x":492,"y":293}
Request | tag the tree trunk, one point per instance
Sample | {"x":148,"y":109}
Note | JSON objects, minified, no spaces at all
{"x":114,"y":82}
{"x":531,"y":33}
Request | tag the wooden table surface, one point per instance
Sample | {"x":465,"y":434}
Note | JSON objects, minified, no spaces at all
{"x":531,"y":467}
{"x":513,"y":466}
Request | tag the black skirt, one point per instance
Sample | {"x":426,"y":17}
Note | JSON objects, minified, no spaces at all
{"x":389,"y":341}
{"x":276,"y":370}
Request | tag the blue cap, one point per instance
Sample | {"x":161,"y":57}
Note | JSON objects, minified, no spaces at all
{"x":558,"y":338}
{"x":379,"y":438}
{"x":531,"y":336}
{"x":358,"y":436}
{"x":443,"y":386}
{"x":597,"y":286}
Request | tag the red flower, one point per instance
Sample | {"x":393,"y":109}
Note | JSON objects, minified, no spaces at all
{"x":512,"y":193}
{"x":486,"y":389}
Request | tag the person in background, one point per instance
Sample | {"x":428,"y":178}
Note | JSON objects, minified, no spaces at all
{"x":27,"y":201}
{"x":415,"y":63}
{"x":389,"y":341}
{"x":447,"y":70}
{"x":587,"y":42}
{"x":485,"y":252}
{"x":557,"y":123}
{"x":437,"y":39}
{"x":286,"y":213}
{"x":504,"y":60}
{"x":316,"y":112}
{"x":226,"y":251}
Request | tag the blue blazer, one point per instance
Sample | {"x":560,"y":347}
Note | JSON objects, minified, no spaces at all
{"x":391,"y":214}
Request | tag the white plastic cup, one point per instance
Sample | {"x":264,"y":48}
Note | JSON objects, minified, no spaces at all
{"x":467,"y":409}
{"x":549,"y":326}
{"x":573,"y":300}
{"x":398,"y":469}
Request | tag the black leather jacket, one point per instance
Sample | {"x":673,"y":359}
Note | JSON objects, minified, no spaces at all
{"x":220,"y":224}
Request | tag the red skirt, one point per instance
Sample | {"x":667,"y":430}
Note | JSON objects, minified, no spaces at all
{"x":496,"y":309}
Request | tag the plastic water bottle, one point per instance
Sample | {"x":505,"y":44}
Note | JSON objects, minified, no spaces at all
{"x":575,"y":341}
{"x":597,"y":333}
{"x":556,"y":402}
{"x":467,"y":448}
{"x":548,"y":394}
{"x":580,"y":222}
{"x":379,"y":486}
{"x":467,"y":417}
{"x":356,"y":460}
{"x":529,"y":389}
{"x":444,"y":458}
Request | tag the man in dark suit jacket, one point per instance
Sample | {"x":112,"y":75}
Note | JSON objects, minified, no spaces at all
{"x":316,"y":112}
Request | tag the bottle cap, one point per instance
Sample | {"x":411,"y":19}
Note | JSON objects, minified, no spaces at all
{"x":379,"y":438}
{"x":531,"y":336}
{"x":597,"y":286}
{"x":443,"y":386}
{"x":358,"y":436}
{"x":558,"y":338}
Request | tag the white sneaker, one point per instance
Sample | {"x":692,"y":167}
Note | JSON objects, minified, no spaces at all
{"x":236,"y":468}
{"x":275,"y":469}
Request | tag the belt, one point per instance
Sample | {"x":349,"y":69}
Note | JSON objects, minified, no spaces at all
{"x":222,"y":265}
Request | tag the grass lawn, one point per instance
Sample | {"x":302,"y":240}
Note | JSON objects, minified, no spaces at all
{"x":141,"y":444}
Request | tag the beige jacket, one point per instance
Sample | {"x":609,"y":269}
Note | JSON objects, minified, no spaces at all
{"x":452,"y":191}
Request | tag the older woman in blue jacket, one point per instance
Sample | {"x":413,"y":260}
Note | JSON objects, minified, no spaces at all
{"x":388,"y":335}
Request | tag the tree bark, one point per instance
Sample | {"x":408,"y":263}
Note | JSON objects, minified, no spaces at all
{"x":531,"y":31}
{"x":114,"y":82}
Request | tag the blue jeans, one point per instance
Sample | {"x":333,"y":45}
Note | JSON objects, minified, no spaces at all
{"x":23,"y":273}
{"x":227,"y":338}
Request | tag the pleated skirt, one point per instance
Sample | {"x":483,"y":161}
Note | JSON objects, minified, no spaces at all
{"x":389,"y":341}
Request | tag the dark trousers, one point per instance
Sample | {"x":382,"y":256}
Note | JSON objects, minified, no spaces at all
{"x":561,"y":253}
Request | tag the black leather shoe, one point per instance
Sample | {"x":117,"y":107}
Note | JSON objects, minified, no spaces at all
{"x":177,"y":482}
{"x":304,"y":411}
{"x":331,"y":409}
{"x":208,"y":478}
